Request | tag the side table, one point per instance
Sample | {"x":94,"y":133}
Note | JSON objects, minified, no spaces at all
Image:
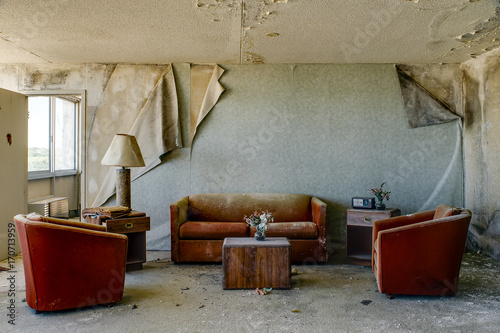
{"x":134,"y":226}
{"x":359,"y":228}
{"x":248,"y":263}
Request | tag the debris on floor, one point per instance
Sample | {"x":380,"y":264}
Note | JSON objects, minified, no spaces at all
{"x":263,"y":291}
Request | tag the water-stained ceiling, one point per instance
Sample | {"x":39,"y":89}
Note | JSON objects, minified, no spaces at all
{"x":247,"y":31}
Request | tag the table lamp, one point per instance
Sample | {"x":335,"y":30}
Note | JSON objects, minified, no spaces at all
{"x":124,"y":152}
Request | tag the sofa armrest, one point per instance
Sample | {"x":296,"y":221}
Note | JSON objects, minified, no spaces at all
{"x":318,"y":209}
{"x":178,"y":215}
{"x":178,"y":212}
{"x":75,"y":224}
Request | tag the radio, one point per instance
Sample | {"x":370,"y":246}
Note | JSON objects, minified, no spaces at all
{"x":363,"y":203}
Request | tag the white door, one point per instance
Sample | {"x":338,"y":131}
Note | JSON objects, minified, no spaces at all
{"x":13,"y":165}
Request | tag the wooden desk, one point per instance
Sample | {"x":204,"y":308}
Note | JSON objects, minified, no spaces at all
{"x":134,"y":226}
{"x":248,"y":263}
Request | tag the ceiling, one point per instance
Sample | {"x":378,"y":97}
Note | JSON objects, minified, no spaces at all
{"x":247,"y":31}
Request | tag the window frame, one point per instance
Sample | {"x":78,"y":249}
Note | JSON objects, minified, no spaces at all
{"x":52,"y":172}
{"x":82,"y":134}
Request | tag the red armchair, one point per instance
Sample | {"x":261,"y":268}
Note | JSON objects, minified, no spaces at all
{"x":420,"y":254}
{"x":70,"y":264}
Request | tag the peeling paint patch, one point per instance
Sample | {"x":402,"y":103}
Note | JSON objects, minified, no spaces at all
{"x":217,"y":9}
{"x":253,"y":58}
{"x":483,"y":36}
{"x":485,"y":28}
{"x":253,"y":13}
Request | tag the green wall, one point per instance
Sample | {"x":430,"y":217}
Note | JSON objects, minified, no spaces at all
{"x":332,"y":131}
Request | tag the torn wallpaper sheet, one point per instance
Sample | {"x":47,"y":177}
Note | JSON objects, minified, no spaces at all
{"x":205,"y":92}
{"x":138,"y":100}
{"x":422,"y":108}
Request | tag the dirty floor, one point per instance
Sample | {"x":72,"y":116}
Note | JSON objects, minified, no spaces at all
{"x":336,"y":297}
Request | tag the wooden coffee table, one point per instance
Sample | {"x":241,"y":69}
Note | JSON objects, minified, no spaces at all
{"x":248,"y":263}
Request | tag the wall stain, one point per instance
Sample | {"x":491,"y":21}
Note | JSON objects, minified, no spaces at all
{"x":36,"y":77}
{"x":9,"y":139}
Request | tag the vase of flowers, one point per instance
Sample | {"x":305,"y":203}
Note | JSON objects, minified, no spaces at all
{"x":380,"y":194}
{"x":260,"y":222}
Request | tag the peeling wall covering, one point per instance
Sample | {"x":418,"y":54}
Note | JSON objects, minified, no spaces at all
{"x":421,"y":106}
{"x":333,"y":131}
{"x":205,"y":91}
{"x":482,"y":151}
{"x":443,"y":81}
{"x":137,"y":100}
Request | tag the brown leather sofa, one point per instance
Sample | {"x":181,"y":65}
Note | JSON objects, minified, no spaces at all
{"x":200,"y":222}
{"x":70,"y":264}
{"x":420,"y":254}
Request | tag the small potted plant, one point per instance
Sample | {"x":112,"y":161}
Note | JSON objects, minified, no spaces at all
{"x":260,"y":222}
{"x":380,"y":194}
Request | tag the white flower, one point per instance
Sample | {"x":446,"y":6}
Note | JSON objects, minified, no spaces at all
{"x":263,"y":218}
{"x":262,"y":227}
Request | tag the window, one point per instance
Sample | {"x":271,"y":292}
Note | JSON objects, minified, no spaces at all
{"x":52,"y":135}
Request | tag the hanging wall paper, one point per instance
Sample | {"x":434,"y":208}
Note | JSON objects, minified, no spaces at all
{"x":422,"y":108}
{"x":137,"y":100}
{"x":205,"y":92}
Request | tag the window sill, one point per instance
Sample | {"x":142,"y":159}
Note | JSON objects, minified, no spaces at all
{"x":44,"y":175}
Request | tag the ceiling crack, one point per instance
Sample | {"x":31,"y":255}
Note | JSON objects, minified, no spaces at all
{"x":22,"y":48}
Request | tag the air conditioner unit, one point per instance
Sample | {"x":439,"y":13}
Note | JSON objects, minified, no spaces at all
{"x":51,"y":207}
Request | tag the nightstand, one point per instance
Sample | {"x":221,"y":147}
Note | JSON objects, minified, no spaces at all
{"x":359,"y":227}
{"x":134,"y":226}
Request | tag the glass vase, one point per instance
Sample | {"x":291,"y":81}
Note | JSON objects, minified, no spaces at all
{"x":260,"y":235}
{"x":380,"y":205}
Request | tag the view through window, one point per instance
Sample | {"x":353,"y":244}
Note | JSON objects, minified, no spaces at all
{"x":52,"y":135}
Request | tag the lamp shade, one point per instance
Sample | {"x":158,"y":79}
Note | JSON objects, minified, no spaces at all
{"x":124,"y":151}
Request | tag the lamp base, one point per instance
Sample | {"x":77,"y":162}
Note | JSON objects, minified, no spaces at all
{"x":123,"y":187}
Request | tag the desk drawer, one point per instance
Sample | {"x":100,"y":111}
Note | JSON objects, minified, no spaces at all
{"x":128,"y":225}
{"x":367,"y":217}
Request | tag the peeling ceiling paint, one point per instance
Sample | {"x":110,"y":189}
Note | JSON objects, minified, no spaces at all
{"x":235,"y":31}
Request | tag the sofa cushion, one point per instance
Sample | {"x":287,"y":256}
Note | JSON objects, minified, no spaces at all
{"x":230,"y":207}
{"x":445,"y":211}
{"x":212,"y":230}
{"x":290,"y":230}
